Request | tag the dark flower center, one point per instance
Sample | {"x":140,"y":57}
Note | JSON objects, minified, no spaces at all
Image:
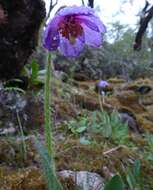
{"x":70,"y":28}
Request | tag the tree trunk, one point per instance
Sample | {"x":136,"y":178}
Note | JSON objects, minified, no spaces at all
{"x":20,"y":21}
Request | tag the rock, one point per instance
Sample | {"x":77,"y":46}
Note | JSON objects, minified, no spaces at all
{"x":15,"y":106}
{"x":131,"y":122}
{"x":3,"y":16}
{"x":144,"y":89}
{"x":84,"y":179}
{"x":60,"y":75}
{"x":19,"y":34}
{"x":7,"y":131}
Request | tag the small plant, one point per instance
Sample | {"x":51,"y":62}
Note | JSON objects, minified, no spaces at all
{"x":14,"y":85}
{"x":34,"y":71}
{"x":59,"y":34}
{"x":149,"y":138}
{"x":110,"y":126}
{"x":133,"y":180}
{"x":30,"y":76}
{"x":133,"y":177}
{"x":47,"y":166}
{"x":78,"y":126}
{"x":34,"y":74}
{"x":148,"y":154}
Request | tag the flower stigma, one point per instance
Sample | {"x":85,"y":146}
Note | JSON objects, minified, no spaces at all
{"x":70,"y":29}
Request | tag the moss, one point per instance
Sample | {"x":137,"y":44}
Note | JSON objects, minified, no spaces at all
{"x":70,"y":154}
{"x":30,"y":178}
{"x":116,"y":80}
{"x":12,"y":153}
{"x":101,"y":156}
{"x":75,"y":156}
{"x":87,"y":102}
{"x":68,"y":184}
{"x":64,"y":110}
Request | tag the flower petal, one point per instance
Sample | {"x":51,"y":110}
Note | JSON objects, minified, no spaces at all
{"x":69,"y":49}
{"x":99,"y":23}
{"x":51,"y":41}
{"x":87,"y":22}
{"x":75,"y":10}
{"x":92,"y":38}
{"x":51,"y":35}
{"x":103,"y":83}
{"x":93,"y":22}
{"x":85,"y":17}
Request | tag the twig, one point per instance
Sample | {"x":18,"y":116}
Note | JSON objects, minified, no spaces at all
{"x":114,"y":149}
{"x":83,"y":2}
{"x":22,"y":135}
{"x":60,"y":153}
{"x":51,"y":6}
{"x":91,"y":3}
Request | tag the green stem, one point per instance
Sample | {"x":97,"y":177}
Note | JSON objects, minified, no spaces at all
{"x":47,"y":104}
{"x":22,"y":135}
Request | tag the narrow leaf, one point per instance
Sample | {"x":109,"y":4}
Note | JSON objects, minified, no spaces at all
{"x":115,"y":183}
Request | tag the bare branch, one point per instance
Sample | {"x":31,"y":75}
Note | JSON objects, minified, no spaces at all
{"x":144,"y":11}
{"x":145,"y":17}
{"x":51,"y":6}
{"x":83,"y":2}
{"x":91,"y":3}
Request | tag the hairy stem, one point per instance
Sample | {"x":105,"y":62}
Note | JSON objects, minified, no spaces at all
{"x":47,"y":103}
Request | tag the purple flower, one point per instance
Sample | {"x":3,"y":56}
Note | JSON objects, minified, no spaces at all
{"x":102,"y":84}
{"x":72,"y":28}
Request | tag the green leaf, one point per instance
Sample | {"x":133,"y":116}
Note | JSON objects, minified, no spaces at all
{"x":81,"y":129}
{"x":136,"y":169}
{"x":38,"y":82}
{"x":115,"y":183}
{"x":46,"y":162}
{"x":133,"y":175}
{"x":15,"y":89}
{"x":131,"y":180}
{"x":85,"y":141}
{"x":35,"y":69}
